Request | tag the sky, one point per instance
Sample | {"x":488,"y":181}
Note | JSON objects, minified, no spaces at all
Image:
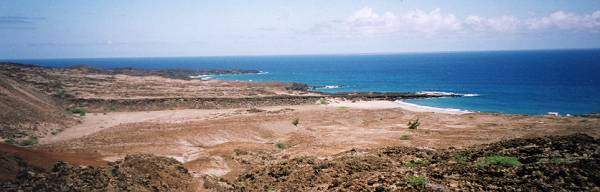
{"x":139,"y":28}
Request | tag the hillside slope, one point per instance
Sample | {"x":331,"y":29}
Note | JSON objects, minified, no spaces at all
{"x":27,"y":114}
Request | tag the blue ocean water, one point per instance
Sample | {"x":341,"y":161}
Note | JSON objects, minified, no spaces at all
{"x":524,"y":82}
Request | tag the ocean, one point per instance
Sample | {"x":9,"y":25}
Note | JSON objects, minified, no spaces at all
{"x":521,"y":82}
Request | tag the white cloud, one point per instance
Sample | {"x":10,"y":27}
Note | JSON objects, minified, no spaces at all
{"x":431,"y":22}
{"x":367,"y":22}
{"x":566,"y":21}
{"x":495,"y":24}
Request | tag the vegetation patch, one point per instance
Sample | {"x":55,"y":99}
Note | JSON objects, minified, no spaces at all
{"x":405,"y":137}
{"x":281,"y":146}
{"x":323,"y":101}
{"x":416,"y":163}
{"x":10,"y":141}
{"x":499,"y":160}
{"x":255,"y":110}
{"x":295,"y":122}
{"x":31,"y":141}
{"x":79,"y":111}
{"x":413,"y":124}
{"x":417,"y":181}
{"x":461,"y":158}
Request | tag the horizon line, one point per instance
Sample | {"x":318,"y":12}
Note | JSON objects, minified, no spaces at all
{"x":303,"y":54}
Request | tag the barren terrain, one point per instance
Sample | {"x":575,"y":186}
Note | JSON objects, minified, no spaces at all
{"x":220,"y":143}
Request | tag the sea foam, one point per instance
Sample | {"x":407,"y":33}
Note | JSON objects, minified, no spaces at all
{"x":328,"y":87}
{"x":202,"y":77}
{"x":447,"y":94}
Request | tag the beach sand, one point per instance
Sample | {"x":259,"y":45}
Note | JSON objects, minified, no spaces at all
{"x":393,"y":104}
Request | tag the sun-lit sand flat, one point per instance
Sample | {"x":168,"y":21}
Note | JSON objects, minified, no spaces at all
{"x":394,"y":104}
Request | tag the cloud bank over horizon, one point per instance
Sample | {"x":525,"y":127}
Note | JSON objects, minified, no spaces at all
{"x":366,"y":21}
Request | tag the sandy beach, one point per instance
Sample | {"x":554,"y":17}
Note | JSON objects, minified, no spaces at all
{"x":393,"y":104}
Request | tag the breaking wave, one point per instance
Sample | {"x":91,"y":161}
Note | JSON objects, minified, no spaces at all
{"x":449,"y":94}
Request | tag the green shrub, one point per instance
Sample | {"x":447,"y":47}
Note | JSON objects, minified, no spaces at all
{"x":323,"y":101}
{"x":281,"y":146}
{"x":80,"y":111}
{"x":417,"y":181}
{"x":295,"y":122}
{"x":413,"y":124}
{"x":416,"y":163}
{"x":31,"y":141}
{"x":499,"y":160}
{"x":459,"y":158}
{"x":405,"y":137}
{"x":10,"y":141}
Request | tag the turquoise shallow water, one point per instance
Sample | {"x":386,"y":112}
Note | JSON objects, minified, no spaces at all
{"x":525,"y":82}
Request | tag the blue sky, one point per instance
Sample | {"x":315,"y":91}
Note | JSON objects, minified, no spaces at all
{"x":114,"y":28}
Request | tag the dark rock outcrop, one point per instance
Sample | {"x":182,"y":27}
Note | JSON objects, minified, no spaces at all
{"x":297,"y":87}
{"x":134,"y":173}
{"x":176,"y":73}
{"x":554,"y":163}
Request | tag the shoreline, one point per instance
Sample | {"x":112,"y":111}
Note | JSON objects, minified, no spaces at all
{"x":378,"y":104}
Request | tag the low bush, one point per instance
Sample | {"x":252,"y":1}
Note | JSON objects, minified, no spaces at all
{"x":281,"y":146}
{"x":416,"y":163}
{"x":405,"y":137}
{"x":499,"y":160}
{"x":295,"y":122}
{"x":459,"y":158}
{"x":417,"y":181}
{"x":323,"y":101}
{"x":413,"y":124}
{"x":31,"y":141}
{"x":80,"y":111}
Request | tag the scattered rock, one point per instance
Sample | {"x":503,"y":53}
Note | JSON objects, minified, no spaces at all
{"x":134,"y":173}
{"x":561,"y":163}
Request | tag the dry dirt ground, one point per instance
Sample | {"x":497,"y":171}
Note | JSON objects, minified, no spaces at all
{"x":87,"y":83}
{"x":223,"y":143}
{"x":209,"y":142}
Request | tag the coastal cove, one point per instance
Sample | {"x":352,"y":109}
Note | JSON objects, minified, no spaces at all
{"x":521,"y":82}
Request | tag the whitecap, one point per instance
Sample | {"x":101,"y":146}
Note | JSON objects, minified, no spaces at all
{"x":202,"y":77}
{"x":442,"y":93}
{"x":437,"y":93}
{"x":328,"y":87}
